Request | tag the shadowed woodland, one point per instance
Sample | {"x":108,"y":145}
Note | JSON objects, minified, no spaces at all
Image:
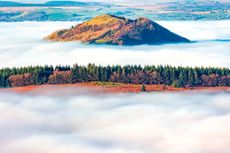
{"x":136,"y":74}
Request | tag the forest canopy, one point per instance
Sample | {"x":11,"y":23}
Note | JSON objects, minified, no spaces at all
{"x":136,"y":74}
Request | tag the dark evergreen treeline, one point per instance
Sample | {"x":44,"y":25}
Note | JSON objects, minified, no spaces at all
{"x":166,"y":75}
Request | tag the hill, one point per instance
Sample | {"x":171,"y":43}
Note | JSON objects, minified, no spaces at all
{"x":48,"y":4}
{"x":10,"y":4}
{"x":110,"y":29}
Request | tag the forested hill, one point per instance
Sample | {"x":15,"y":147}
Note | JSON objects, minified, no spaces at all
{"x":165,"y":75}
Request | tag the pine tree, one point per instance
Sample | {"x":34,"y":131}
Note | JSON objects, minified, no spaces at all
{"x":191,"y":77}
{"x":182,"y":79}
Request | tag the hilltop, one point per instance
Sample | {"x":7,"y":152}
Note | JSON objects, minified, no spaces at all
{"x":110,"y":29}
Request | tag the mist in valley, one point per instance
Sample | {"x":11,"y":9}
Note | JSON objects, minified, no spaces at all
{"x":114,"y":123}
{"x":70,"y":120}
{"x":22,"y":44}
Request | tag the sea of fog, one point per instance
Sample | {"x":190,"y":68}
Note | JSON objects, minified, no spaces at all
{"x":67,"y":120}
{"x":22,"y":44}
{"x":122,"y":123}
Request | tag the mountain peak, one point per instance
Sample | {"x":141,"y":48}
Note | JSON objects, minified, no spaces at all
{"x":110,"y":29}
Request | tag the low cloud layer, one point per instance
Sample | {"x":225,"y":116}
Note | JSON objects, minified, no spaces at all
{"x":22,"y":44}
{"x":126,"y":123}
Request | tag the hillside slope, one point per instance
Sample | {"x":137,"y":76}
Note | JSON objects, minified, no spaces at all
{"x":109,"y":29}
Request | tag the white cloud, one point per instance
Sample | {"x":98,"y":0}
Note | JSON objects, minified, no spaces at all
{"x":136,"y":123}
{"x":22,"y":44}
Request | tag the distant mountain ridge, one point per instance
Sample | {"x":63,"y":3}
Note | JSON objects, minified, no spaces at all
{"x":110,"y":29}
{"x":70,"y":10}
{"x":48,"y":4}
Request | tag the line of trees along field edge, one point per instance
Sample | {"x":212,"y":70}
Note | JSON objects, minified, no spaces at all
{"x":136,"y":74}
